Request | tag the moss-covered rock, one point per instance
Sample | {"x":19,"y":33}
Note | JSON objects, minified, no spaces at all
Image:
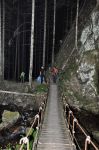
{"x":9,"y":118}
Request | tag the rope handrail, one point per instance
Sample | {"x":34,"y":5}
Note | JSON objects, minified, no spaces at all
{"x":72,"y":125}
{"x":37,"y":121}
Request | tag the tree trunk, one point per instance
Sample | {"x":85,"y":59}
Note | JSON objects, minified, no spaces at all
{"x":17,"y":74}
{"x":67,"y":18}
{"x":1,"y":44}
{"x":3,"y":39}
{"x":54,"y":22}
{"x":71,"y":17}
{"x":76,"y":32}
{"x":23,"y":51}
{"x":97,"y":2}
{"x":44,"y":41}
{"x":16,"y":57}
{"x":32,"y":44}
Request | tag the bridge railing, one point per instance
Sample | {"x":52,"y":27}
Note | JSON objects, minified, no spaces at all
{"x":37,"y":123}
{"x":77,"y":130}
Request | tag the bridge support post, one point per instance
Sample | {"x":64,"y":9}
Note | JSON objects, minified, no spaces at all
{"x":74,"y":121}
{"x":87,"y":141}
{"x":70,"y":112}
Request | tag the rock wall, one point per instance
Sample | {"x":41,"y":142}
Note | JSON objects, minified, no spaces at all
{"x":81,"y":85}
{"x":89,"y":54}
{"x":69,"y":42}
{"x":79,"y":78}
{"x":22,"y":100}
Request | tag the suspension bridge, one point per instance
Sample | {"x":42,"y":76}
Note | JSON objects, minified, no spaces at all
{"x":54,"y":131}
{"x":54,"y":134}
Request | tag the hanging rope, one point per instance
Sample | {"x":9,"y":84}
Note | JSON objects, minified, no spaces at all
{"x":36,"y":124}
{"x":25,"y":140}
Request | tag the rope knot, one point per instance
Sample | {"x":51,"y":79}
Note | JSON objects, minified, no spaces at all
{"x":37,"y":116}
{"x":40,"y":109}
{"x":42,"y":104}
{"x":70,"y":112}
{"x":75,"y":120}
{"x":37,"y":128}
{"x":88,"y":139}
{"x":66,"y":105}
{"x":24,"y":140}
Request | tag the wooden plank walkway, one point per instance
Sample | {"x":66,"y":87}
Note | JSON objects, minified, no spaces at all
{"x":54,"y":134}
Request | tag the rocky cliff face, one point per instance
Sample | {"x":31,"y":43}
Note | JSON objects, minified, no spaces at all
{"x":79,"y":75}
{"x":82,"y":65}
{"x":87,"y":71}
{"x":87,"y":68}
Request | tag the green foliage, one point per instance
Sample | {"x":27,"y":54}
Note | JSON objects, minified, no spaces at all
{"x":80,"y":97}
{"x":32,"y":137}
{"x":96,"y":77}
{"x":66,"y":75}
{"x":17,"y":146}
{"x":41,"y":88}
{"x":91,"y":56}
{"x":8,"y":147}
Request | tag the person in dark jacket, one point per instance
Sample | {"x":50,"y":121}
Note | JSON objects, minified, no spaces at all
{"x":42,"y":74}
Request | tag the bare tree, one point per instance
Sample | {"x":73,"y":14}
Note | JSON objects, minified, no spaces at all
{"x":1,"y":43}
{"x":54,"y":22}
{"x":76,"y":32}
{"x":23,"y":51}
{"x":32,"y":44}
{"x":3,"y":38}
{"x":44,"y":41}
{"x":17,"y":74}
{"x":97,"y":2}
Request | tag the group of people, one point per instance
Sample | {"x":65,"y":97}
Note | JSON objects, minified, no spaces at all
{"x":53,"y":73}
{"x":42,"y":77}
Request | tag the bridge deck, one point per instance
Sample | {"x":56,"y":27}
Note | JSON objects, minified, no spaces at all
{"x":54,"y":134}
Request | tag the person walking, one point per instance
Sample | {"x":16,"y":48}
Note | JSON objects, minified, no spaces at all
{"x":22,"y":77}
{"x":54,"y":72}
{"x":42,"y":74}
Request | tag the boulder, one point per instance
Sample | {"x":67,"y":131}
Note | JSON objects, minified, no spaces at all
{"x":9,"y":118}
